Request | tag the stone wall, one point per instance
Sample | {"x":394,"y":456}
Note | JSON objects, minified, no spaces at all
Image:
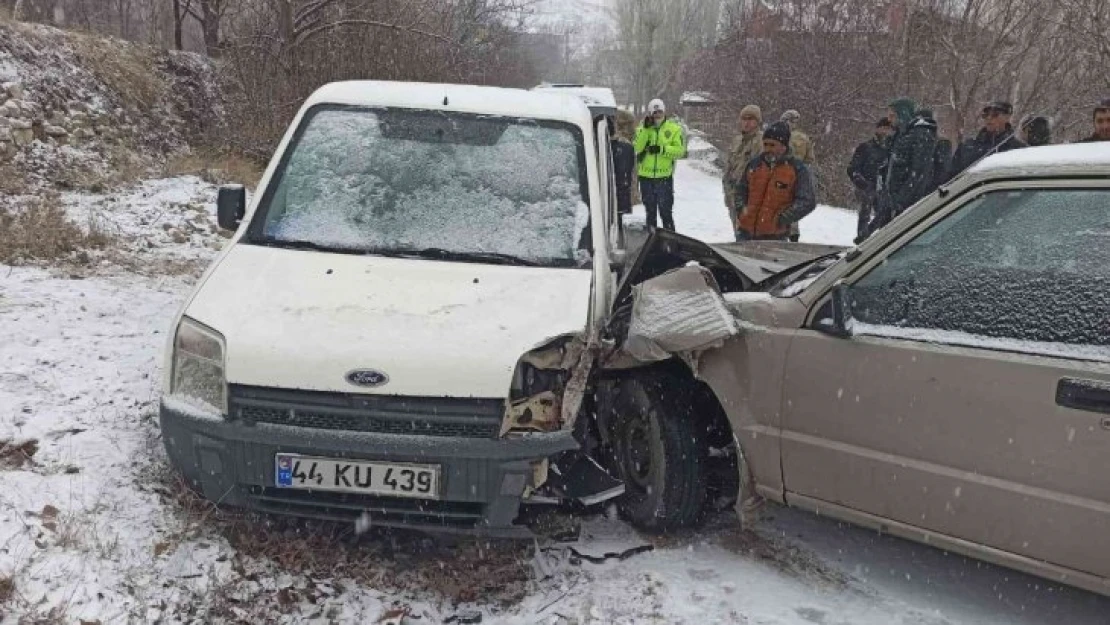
{"x":24,"y":121}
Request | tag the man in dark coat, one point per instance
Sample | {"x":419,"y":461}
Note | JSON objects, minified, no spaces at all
{"x":1102,"y":123}
{"x":867,"y":165}
{"x":909,"y":171}
{"x":997,"y":135}
{"x":1036,"y":131}
{"x":942,"y":154}
{"x":624,"y":167}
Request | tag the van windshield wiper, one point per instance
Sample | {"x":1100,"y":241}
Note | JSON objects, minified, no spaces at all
{"x":430,"y":252}
{"x":299,"y":244}
{"x":472,"y":257}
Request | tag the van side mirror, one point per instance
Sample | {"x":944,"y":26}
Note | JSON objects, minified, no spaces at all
{"x":231,"y":205}
{"x":838,"y":323}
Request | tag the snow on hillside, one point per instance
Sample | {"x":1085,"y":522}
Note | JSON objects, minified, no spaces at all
{"x":77,"y":110}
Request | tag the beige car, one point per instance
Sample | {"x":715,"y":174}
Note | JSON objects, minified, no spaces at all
{"x":948,"y":381}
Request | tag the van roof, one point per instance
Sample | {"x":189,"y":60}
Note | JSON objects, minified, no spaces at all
{"x":593,"y":96}
{"x":459,"y":98}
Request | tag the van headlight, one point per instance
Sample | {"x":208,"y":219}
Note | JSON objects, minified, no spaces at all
{"x":198,"y":365}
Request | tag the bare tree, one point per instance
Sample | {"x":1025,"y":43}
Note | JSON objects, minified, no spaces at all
{"x":180,"y":12}
{"x":210,"y":15}
{"x":42,"y":11}
{"x":654,"y":36}
{"x":277,"y":51}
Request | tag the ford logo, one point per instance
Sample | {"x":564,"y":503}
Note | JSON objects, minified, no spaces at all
{"x":367,"y":377}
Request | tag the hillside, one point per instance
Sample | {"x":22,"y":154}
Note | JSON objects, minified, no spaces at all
{"x":80,"y":112}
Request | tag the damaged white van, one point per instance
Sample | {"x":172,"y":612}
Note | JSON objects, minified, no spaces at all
{"x":405,"y":322}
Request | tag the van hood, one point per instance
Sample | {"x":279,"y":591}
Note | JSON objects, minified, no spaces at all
{"x":304,"y":319}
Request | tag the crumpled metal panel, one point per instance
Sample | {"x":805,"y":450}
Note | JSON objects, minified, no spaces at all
{"x":679,"y":312}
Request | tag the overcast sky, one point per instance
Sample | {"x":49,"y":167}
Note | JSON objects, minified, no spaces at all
{"x":571,"y":10}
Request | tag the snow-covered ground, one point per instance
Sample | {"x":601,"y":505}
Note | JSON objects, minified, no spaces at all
{"x":93,"y":528}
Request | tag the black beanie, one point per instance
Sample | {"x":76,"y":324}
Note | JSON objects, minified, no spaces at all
{"x":779,"y":131}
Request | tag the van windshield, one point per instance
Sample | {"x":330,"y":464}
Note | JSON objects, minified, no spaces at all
{"x":430,"y":184}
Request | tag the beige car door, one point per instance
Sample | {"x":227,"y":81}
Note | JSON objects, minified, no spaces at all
{"x":972,"y":398}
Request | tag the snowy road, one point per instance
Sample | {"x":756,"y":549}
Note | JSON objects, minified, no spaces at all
{"x":90,"y":530}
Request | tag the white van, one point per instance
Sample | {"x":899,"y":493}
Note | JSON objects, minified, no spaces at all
{"x":407,"y":316}
{"x":419,"y":322}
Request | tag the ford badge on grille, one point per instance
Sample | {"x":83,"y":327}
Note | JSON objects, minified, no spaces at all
{"x":367,"y":377}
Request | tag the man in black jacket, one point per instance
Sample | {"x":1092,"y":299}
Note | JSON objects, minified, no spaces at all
{"x":909,"y":170}
{"x":997,"y":135}
{"x":867,"y":164}
{"x":624,"y":167}
{"x":1036,"y":130}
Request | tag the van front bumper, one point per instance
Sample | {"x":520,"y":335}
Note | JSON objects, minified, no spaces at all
{"x":482,"y":480}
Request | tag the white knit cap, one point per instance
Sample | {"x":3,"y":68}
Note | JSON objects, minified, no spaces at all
{"x":657,"y":105}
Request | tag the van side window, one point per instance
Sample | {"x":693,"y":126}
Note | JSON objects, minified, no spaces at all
{"x":1031,"y":265}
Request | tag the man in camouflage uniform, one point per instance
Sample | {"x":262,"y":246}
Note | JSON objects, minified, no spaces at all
{"x":745,"y":147}
{"x":801,"y":146}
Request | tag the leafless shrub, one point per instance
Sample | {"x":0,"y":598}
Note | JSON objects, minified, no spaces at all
{"x":126,"y":165}
{"x":40,"y":230}
{"x":216,"y":166}
{"x":7,"y":589}
{"x":14,"y":454}
{"x":127,"y":69}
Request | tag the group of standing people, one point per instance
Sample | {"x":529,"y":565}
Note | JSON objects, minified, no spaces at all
{"x":769,"y":184}
{"x":907,"y":159}
{"x":770,"y":179}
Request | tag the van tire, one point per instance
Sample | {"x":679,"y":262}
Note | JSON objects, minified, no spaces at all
{"x":652,"y":421}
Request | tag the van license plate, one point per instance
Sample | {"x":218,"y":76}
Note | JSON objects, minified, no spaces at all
{"x":352,"y":476}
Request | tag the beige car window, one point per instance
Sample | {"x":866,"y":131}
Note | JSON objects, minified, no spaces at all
{"x":1031,"y":265}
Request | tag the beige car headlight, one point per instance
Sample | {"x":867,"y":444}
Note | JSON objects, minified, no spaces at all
{"x":198,"y":365}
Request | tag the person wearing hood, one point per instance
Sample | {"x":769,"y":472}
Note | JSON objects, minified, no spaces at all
{"x":1101,"y":122}
{"x":909,"y":171}
{"x":658,"y":145}
{"x":745,"y":147}
{"x":997,"y":135}
{"x":776,"y":190}
{"x":1036,"y":131}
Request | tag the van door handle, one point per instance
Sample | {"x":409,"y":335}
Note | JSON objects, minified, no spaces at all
{"x":1089,"y":395}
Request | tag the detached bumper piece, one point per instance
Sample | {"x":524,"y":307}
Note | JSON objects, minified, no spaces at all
{"x":576,"y":476}
{"x":482,"y":479}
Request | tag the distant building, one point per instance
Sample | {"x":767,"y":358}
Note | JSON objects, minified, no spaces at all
{"x":701,"y":110}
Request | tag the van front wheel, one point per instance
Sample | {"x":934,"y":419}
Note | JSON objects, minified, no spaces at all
{"x":659,"y":452}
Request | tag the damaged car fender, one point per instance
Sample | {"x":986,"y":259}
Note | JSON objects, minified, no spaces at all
{"x":706,"y":306}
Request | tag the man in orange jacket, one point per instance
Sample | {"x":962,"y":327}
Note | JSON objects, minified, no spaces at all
{"x":775,"y":191}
